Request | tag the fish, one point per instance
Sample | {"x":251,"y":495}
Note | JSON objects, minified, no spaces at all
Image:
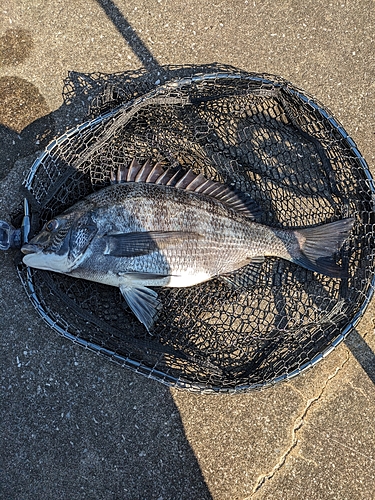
{"x":156,"y":227}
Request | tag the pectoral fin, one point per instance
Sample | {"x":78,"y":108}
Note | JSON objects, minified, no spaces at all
{"x":144,"y":242}
{"x":143,"y":302}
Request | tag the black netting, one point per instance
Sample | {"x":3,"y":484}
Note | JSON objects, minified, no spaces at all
{"x":259,"y":134}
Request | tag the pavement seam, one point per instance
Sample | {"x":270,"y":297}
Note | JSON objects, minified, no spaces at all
{"x":299,"y":422}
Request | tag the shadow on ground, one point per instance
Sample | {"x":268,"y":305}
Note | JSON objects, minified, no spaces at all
{"x":75,"y":425}
{"x":362,"y":353}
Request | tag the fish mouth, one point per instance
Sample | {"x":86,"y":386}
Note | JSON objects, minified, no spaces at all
{"x":30,"y":248}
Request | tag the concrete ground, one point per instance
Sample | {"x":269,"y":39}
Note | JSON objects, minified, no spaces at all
{"x":74,"y":425}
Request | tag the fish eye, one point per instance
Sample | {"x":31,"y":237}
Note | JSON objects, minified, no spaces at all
{"x":52,"y":225}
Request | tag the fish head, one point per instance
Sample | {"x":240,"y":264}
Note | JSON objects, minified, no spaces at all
{"x":61,"y":244}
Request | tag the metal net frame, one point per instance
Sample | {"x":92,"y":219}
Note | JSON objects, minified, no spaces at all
{"x":261,"y":135}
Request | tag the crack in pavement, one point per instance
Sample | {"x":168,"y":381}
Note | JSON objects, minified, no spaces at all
{"x":296,"y":428}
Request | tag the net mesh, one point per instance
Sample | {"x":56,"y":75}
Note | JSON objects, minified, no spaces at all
{"x":255,"y":132}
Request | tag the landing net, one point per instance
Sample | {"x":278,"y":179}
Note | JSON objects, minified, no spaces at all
{"x":258,"y":133}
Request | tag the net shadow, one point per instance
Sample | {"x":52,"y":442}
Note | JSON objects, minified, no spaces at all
{"x":129,"y":34}
{"x":362,"y":353}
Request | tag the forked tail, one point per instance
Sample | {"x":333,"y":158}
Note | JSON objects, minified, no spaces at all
{"x":319,"y":244}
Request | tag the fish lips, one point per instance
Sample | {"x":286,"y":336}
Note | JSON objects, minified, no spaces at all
{"x":31,"y":248}
{"x":33,"y":254}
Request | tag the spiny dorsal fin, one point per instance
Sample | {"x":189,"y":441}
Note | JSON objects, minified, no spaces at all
{"x":189,"y":181}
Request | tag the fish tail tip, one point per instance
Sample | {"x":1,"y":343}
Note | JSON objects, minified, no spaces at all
{"x":318,"y":245}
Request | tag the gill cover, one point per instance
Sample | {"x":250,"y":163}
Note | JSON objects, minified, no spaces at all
{"x":82,"y":233}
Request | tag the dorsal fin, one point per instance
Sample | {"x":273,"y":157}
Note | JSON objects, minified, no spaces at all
{"x":189,"y":181}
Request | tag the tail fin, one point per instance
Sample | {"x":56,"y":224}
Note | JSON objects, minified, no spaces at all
{"x":319,"y":244}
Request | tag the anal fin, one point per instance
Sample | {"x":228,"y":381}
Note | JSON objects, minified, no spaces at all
{"x":143,"y":302}
{"x":244,"y":277}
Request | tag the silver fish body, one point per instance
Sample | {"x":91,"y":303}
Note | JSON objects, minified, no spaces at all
{"x":147,"y":230}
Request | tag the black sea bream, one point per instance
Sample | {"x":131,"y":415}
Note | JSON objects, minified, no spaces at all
{"x":154,"y":228}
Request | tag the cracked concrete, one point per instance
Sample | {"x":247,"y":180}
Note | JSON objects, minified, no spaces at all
{"x":76,"y":426}
{"x":295,"y":430}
